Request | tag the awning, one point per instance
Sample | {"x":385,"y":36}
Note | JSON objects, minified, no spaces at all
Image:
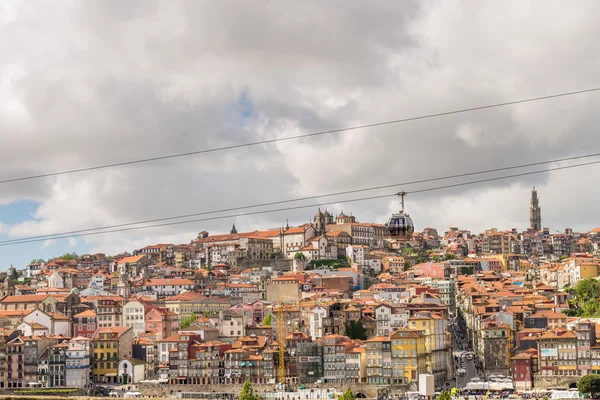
{"x":489,"y":386}
{"x":564,"y":394}
{"x":110,"y":374}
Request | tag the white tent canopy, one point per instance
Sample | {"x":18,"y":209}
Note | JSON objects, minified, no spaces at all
{"x":489,"y":386}
{"x":564,"y":394}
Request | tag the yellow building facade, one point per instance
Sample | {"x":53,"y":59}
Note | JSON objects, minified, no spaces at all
{"x":437,"y":343}
{"x":110,"y":345}
{"x":409,"y":356}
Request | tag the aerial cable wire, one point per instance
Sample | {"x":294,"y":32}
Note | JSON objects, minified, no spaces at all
{"x":308,"y":197}
{"x":460,"y":184}
{"x":295,"y":137}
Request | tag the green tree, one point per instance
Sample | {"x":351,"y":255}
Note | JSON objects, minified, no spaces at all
{"x":37,"y":261}
{"x":69,"y":256}
{"x":585,"y":303}
{"x":268,"y":320}
{"x":299,"y":256}
{"x":247,"y":392}
{"x":187,"y":321}
{"x":347,"y":395}
{"x":589,"y":384}
{"x":356,"y":330}
{"x":587,"y":289}
{"x":445,"y":395}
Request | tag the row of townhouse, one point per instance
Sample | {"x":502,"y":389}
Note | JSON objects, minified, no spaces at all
{"x":335,"y":358}
{"x":52,"y":361}
{"x":397,"y":359}
{"x":557,"y":357}
{"x":520,"y":330}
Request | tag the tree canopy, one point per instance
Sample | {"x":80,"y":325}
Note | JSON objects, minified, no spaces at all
{"x":356,"y":330}
{"x":445,"y":395}
{"x":247,"y":392}
{"x":69,"y":256}
{"x":347,"y":395}
{"x":268,"y":320}
{"x":589,"y":384}
{"x":187,"y":321}
{"x":585,"y":303}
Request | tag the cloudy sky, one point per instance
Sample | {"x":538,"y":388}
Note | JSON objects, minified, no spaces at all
{"x":96,"y":82}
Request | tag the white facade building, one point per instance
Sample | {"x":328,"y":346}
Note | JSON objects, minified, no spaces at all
{"x":388,"y":319}
{"x":134,"y":316}
{"x":57,"y":323}
{"x":78,"y":364}
{"x":166,"y":287}
{"x":316,"y":321}
{"x":356,"y":253}
{"x":56,"y":281}
{"x":131,"y":371}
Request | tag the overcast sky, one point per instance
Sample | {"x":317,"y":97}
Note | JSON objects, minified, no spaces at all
{"x":94,"y":82}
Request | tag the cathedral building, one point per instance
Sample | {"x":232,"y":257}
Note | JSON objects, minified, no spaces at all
{"x":321,"y":221}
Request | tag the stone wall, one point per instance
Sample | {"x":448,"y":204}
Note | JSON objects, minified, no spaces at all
{"x":149,"y":389}
{"x":543,"y":382}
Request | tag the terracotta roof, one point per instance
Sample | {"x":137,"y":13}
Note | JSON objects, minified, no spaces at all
{"x":130,"y":260}
{"x":32,"y":298}
{"x":24,"y":287}
{"x":15,"y":313}
{"x":86,"y":313}
{"x":379,"y":339}
{"x":522,"y":356}
{"x":37,"y":326}
{"x":167,"y":282}
{"x":118,"y":330}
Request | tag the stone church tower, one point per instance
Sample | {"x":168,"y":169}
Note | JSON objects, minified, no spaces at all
{"x":124,"y":287}
{"x":321,"y":221}
{"x":7,"y":288}
{"x":535,"y":212}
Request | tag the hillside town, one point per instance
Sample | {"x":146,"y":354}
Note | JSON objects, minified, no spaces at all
{"x":335,"y":300}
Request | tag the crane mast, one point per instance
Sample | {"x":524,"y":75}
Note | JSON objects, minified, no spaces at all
{"x":281,"y":340}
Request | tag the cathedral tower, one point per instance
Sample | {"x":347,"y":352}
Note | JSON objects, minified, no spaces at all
{"x":535,"y":212}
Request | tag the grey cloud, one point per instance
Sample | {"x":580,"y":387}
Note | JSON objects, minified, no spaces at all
{"x":137,"y":79}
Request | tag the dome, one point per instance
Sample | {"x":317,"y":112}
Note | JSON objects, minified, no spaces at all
{"x":75,"y":290}
{"x":327,"y":215}
{"x":400,"y":226}
{"x":318,"y":214}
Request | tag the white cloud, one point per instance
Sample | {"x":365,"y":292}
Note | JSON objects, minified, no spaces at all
{"x":48,"y":243}
{"x":470,"y":133}
{"x":87,"y":84}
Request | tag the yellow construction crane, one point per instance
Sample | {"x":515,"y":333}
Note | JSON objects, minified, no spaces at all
{"x":281,"y":340}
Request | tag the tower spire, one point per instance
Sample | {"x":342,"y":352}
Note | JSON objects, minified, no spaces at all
{"x":535,"y":212}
